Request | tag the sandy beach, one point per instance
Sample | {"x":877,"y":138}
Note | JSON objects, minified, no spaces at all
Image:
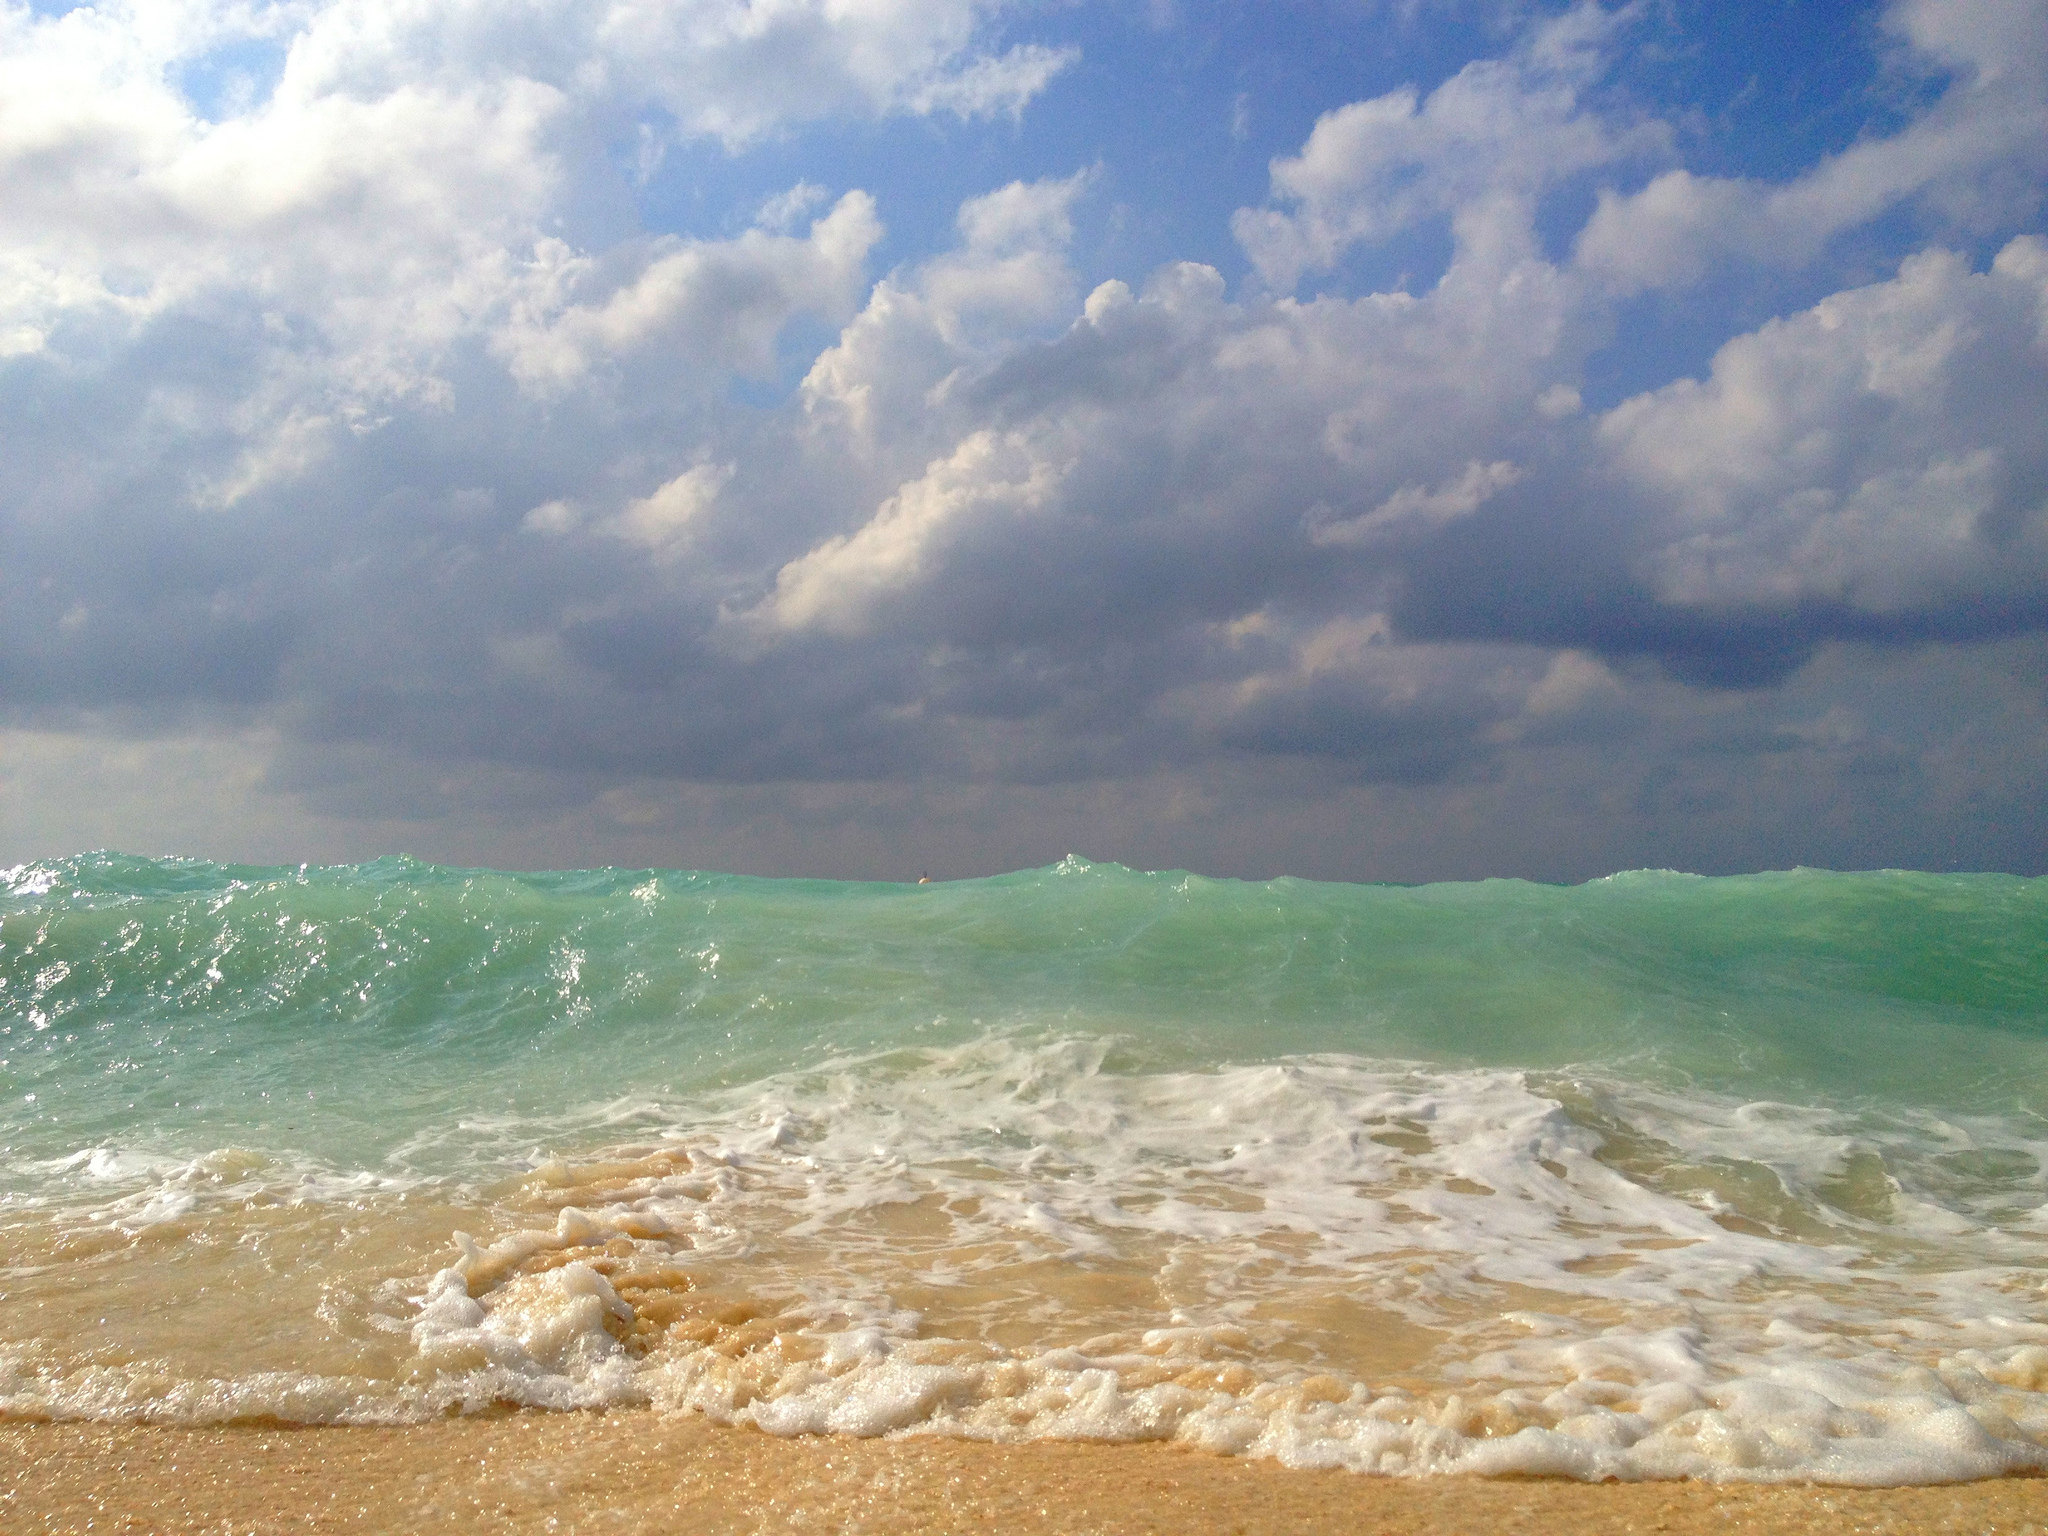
{"x":621,"y":1473}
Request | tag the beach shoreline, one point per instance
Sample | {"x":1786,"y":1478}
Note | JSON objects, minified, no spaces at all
{"x":638,"y":1471}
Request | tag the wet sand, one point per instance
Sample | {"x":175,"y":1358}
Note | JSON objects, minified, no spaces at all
{"x":630,"y":1472}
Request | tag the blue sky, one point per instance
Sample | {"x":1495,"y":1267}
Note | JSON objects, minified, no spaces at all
{"x":1364,"y":441}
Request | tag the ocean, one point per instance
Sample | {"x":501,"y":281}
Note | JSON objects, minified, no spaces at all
{"x":1733,"y":1178}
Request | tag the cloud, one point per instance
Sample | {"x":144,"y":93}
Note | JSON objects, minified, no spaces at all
{"x":1349,"y":692}
{"x":1879,"y":454}
{"x":662,"y":524}
{"x":1499,"y":128}
{"x":1173,"y":450}
{"x":740,"y":71}
{"x":367,"y":430}
{"x":991,"y":86}
{"x":1980,"y":153}
{"x":1007,"y":274}
{"x":395,"y":193}
{"x":1418,"y":509}
{"x":838,"y":586}
{"x":719,"y":303}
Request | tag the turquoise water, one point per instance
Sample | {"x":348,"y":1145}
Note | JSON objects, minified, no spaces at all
{"x":174,"y":1002}
{"x":1811,"y":1084}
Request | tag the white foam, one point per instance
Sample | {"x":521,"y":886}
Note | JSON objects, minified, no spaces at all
{"x":1848,"y":1356}
{"x":130,"y":1188}
{"x":30,"y":879}
{"x":541,"y":1340}
{"x":1871,"y":1424}
{"x":1037,"y":1152}
{"x":1621,"y":1282}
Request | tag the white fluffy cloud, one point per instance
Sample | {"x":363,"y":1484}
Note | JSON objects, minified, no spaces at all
{"x":1883,"y":450}
{"x":395,"y":188}
{"x":1498,"y":129}
{"x":368,"y":216}
{"x":718,"y":303}
{"x":1270,"y":443}
{"x":1981,"y":151}
{"x":839,"y":586}
{"x":739,"y":69}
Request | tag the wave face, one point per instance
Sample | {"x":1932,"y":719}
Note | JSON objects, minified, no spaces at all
{"x":1655,"y":1176}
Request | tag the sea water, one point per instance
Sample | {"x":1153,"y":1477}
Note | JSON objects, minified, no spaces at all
{"x":1659,"y":1175}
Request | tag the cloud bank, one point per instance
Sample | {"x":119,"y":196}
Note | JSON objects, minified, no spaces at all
{"x":379,"y":473}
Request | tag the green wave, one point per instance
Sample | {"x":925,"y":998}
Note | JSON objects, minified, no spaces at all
{"x":340,"y":1009}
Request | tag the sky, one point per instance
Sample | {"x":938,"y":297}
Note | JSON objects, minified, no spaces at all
{"x":856,"y":438}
